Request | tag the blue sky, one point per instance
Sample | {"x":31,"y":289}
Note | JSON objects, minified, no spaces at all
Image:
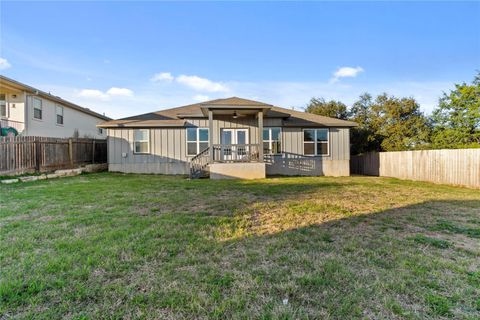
{"x":125,"y":58}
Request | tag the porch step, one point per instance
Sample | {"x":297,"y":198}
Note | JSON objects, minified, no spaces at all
{"x":205,"y":173}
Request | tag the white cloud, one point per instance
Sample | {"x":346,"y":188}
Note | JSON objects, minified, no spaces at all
{"x":200,"y":98}
{"x":123,"y":92}
{"x":201,"y":84}
{"x":104,"y":96}
{"x":4,"y":64}
{"x":193,"y":82}
{"x":346,"y":72}
{"x":280,"y":93}
{"x":93,"y":94}
{"x":162,"y":76}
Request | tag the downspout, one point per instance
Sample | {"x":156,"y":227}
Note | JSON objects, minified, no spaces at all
{"x":25,"y":114}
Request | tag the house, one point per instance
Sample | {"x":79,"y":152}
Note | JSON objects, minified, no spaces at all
{"x":229,"y":138}
{"x":31,"y":112}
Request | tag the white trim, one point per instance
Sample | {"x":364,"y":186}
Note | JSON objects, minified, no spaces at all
{"x":33,"y":108}
{"x":197,"y":141}
{"x":7,"y":107}
{"x":57,"y":114}
{"x":270,"y":140}
{"x":315,"y":142}
{"x":147,"y":141}
{"x":235,"y":135}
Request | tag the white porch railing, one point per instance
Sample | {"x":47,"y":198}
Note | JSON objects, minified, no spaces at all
{"x":236,"y":152}
{"x":17,"y":125}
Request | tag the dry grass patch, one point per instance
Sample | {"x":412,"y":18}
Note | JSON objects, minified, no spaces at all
{"x":139,"y":246}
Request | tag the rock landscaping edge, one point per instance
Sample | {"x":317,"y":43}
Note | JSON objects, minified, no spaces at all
{"x":59,"y":173}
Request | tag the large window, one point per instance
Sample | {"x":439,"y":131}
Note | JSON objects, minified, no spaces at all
{"x":37,"y":108}
{"x":197,"y":140}
{"x":315,"y":142}
{"x":59,"y":111}
{"x":272,"y":140}
{"x":3,"y":105}
{"x":141,"y":141}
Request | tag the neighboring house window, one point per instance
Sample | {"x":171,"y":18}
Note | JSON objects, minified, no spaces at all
{"x":100,"y":131}
{"x":141,"y":141}
{"x":37,"y":108}
{"x":197,"y":140}
{"x":315,"y":142}
{"x":59,"y":110}
{"x":3,"y":105}
{"x":272,"y":140}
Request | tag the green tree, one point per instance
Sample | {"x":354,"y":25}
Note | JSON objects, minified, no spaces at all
{"x":363,"y":138}
{"x":400,"y":123}
{"x":332,"y":108}
{"x":387,"y":124}
{"x":456,"y":121}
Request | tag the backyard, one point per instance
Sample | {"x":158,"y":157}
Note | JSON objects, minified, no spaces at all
{"x":143,"y":246}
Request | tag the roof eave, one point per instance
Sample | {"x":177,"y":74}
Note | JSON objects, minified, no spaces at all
{"x":23,"y":87}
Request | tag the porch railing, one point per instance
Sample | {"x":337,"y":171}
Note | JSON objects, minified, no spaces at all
{"x":199,"y":163}
{"x":236,"y":152}
{"x":17,"y":125}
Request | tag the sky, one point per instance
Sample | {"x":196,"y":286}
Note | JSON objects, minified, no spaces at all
{"x":127,"y":58}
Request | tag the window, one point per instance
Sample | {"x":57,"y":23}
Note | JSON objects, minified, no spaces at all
{"x":3,"y":105}
{"x":37,"y":108}
{"x":100,"y":131}
{"x":272,"y":140}
{"x":59,"y":111}
{"x":315,"y":142}
{"x":141,"y":141}
{"x":197,"y":140}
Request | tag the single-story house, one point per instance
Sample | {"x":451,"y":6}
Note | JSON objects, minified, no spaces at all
{"x":29,"y":111}
{"x":229,"y":138}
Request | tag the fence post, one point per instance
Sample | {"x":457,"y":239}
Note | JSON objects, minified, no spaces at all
{"x":38,"y":155}
{"x":70,"y":151}
{"x":93,"y":151}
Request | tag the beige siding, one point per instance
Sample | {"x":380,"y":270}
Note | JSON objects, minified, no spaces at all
{"x":15,"y":104}
{"x":73,"y":120}
{"x":168,"y":146}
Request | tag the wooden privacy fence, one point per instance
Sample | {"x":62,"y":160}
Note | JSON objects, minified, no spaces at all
{"x":40,"y":154}
{"x":450,"y":166}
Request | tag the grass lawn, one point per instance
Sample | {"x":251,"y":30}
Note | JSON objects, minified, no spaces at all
{"x":140,"y":246}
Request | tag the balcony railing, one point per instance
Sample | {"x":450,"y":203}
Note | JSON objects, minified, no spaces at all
{"x":17,"y":125}
{"x":236,"y":152}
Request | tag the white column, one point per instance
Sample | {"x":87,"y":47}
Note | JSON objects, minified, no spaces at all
{"x":210,"y":134}
{"x":260,"y":136}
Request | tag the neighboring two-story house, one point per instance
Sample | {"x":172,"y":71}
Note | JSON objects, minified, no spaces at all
{"x":31,"y":112}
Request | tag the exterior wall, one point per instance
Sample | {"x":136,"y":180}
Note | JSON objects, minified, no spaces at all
{"x":72,"y":120}
{"x":15,"y":108}
{"x":167,"y":152}
{"x":293,"y":162}
{"x":168,"y":149}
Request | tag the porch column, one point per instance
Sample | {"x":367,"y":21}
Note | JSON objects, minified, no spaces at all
{"x":260,"y":136}
{"x":210,"y":134}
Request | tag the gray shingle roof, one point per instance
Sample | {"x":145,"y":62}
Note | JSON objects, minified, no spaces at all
{"x":167,"y":117}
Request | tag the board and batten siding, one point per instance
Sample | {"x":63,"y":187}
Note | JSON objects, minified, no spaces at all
{"x":293,"y":162}
{"x":168,"y":149}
